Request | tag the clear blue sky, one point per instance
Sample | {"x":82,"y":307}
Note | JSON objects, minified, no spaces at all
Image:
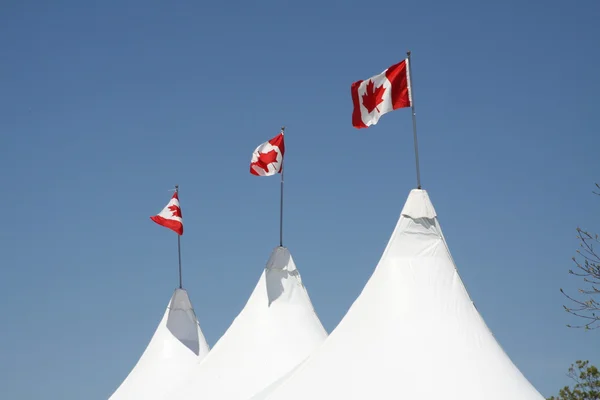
{"x":105,"y":105}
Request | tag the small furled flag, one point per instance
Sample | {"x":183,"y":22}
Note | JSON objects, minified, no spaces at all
{"x":170,"y":217}
{"x":381,"y":94}
{"x":267,"y":159}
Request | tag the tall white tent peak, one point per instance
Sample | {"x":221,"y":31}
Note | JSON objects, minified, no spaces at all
{"x":281,"y":277}
{"x":183,"y":324}
{"x":418,"y":205}
{"x":413,"y":313}
{"x":276,"y":330}
{"x":281,"y":259}
{"x":177,"y":344}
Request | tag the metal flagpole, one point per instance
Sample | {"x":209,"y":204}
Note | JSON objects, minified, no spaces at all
{"x":179,"y":244}
{"x":414,"y":117}
{"x":281,"y":201}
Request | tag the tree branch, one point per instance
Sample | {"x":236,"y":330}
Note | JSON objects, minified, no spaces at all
{"x":588,"y":268}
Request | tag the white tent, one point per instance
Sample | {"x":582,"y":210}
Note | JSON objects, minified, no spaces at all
{"x":177,"y":345}
{"x":413,"y":333}
{"x":277,"y":329}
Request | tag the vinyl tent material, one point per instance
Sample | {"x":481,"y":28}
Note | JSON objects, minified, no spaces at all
{"x":413,"y":318}
{"x":277,"y":329}
{"x":176,"y":346}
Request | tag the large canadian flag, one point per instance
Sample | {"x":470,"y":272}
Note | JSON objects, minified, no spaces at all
{"x":381,"y":94}
{"x":267,"y":159}
{"x":170,"y":217}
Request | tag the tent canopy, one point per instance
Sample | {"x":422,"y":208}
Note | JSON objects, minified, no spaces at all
{"x":177,"y":345}
{"x":413,"y":333}
{"x":277,"y":329}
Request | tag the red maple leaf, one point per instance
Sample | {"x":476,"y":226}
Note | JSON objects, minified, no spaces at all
{"x":176,"y":211}
{"x":373,"y":97}
{"x":264,"y":159}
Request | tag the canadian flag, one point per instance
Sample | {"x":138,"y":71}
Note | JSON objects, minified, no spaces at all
{"x":267,"y":159}
{"x":170,"y":217}
{"x":381,"y":94}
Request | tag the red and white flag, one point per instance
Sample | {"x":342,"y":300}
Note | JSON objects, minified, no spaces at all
{"x":381,"y":94}
{"x":267,"y":159}
{"x":170,"y":217}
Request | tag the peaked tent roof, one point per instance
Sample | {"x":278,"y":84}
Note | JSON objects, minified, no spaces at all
{"x":414,"y":314}
{"x":177,"y":345}
{"x":277,"y":329}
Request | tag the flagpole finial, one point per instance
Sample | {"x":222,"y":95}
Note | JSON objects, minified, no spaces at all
{"x":408,"y":53}
{"x":283,"y":128}
{"x":177,"y":188}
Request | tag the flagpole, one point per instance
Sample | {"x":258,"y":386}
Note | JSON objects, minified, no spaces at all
{"x":414,"y":118}
{"x":179,"y":246}
{"x":281,"y":200}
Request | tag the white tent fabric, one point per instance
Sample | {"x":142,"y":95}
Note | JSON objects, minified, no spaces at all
{"x":177,"y":345}
{"x":277,"y":329}
{"x":413,"y":333}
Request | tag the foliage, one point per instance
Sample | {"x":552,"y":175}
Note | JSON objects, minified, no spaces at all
{"x":587,"y":262}
{"x":587,"y":383}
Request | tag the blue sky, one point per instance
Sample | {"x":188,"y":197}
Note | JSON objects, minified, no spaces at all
{"x":104,"y":106}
